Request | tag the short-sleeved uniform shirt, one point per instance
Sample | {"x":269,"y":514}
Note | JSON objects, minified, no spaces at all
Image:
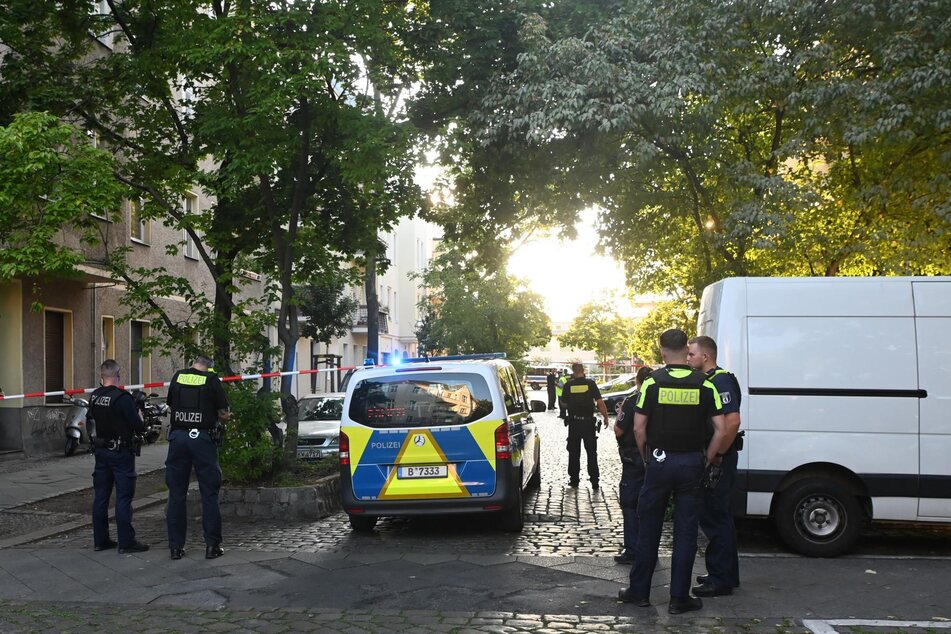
{"x":580,"y":396}
{"x":195,"y":398}
{"x":728,"y":389}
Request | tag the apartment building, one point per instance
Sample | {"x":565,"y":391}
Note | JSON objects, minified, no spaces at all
{"x":409,"y":248}
{"x":55,"y":333}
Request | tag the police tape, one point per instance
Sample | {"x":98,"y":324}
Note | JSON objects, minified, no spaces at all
{"x":159,"y":384}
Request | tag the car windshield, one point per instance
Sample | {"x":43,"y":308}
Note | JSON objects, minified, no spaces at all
{"x":421,"y":399}
{"x":326,"y":408}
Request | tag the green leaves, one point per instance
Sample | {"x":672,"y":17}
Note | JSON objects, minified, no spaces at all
{"x":470,"y":310}
{"x":52,"y":183}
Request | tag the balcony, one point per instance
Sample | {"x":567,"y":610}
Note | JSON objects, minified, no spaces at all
{"x":360,"y":320}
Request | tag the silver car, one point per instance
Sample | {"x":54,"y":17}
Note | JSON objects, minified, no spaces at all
{"x":319,"y":426}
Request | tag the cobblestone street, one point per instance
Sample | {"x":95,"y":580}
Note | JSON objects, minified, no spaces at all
{"x":456,"y":574}
{"x":560,"y":521}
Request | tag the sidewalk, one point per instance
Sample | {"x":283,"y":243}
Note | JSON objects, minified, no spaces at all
{"x":42,"y":480}
{"x":401,"y":590}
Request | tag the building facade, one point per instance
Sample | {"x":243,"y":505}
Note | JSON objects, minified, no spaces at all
{"x":55,"y":333}
{"x":409,"y":249}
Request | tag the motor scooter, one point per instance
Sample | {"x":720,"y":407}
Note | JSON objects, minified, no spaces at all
{"x":75,"y":424}
{"x":152,"y":414}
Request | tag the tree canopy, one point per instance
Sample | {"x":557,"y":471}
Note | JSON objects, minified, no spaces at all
{"x":799,"y":137}
{"x":52,"y":181}
{"x":469,"y":311}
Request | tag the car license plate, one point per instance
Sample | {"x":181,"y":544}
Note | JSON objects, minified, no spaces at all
{"x":309,"y":453}
{"x":433,"y":471}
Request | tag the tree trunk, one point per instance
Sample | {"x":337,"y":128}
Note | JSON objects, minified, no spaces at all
{"x":373,"y":310}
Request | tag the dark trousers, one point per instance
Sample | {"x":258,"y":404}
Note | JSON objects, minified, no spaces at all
{"x":679,"y":475}
{"x":113,"y":469}
{"x":716,"y":521}
{"x":582,"y":430}
{"x":183,"y":453}
{"x":632,"y":479}
{"x":551,"y":397}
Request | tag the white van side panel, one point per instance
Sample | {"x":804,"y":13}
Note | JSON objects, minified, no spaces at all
{"x":933,"y":305}
{"x":833,"y":352}
{"x":822,"y":297}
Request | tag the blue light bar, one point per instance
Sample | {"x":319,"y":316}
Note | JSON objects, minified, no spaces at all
{"x":457,"y":357}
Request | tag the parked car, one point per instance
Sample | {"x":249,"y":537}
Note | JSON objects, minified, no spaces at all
{"x":613,"y":400}
{"x":319,"y":425}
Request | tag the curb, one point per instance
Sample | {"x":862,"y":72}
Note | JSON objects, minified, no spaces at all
{"x":51,"y":531}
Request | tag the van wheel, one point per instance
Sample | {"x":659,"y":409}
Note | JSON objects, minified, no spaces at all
{"x":362,"y":523}
{"x":535,"y":386}
{"x":512,"y":521}
{"x":818,"y":517}
{"x":71,"y":445}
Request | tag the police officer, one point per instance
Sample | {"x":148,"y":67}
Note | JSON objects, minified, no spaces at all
{"x":197,"y":402}
{"x":579,"y":396}
{"x":671,"y":421}
{"x":550,"y":382}
{"x":112,"y":411}
{"x":715,"y":512}
{"x":559,"y":391}
{"x":632,"y":468}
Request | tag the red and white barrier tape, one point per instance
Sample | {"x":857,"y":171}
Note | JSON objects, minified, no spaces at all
{"x":148,"y":386}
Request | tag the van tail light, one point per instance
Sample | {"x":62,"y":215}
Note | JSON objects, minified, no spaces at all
{"x":503,"y":446}
{"x":344,"y":454}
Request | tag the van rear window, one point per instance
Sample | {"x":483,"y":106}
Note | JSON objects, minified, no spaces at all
{"x":420,"y":400}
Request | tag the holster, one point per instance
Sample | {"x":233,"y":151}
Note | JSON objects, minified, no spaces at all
{"x":217,"y":434}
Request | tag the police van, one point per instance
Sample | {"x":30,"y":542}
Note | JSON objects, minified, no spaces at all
{"x":846,"y":401}
{"x":437,"y":436}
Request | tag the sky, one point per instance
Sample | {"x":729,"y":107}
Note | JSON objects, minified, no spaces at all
{"x":567,"y":274}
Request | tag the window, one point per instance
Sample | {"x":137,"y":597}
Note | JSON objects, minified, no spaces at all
{"x":138,"y":227}
{"x":105,"y":30}
{"x":140,"y":364}
{"x":420,"y":400}
{"x":107,"y":349}
{"x":514,"y":403}
{"x":58,"y":352}
{"x":191,"y":208}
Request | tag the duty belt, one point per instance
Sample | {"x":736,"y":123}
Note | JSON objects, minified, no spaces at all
{"x":112,"y":444}
{"x":581,"y":416}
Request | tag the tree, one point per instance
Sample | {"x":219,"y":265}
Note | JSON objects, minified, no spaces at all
{"x":468,"y":311}
{"x":665,"y":315}
{"x":290,"y":114}
{"x":722,"y":138}
{"x":327,"y":309}
{"x":596,"y":329}
{"x":52,"y":180}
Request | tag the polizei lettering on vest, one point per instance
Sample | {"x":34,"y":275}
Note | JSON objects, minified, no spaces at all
{"x":187,"y":417}
{"x":678,"y":396}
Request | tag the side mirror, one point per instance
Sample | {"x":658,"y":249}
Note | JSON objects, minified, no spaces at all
{"x":539,"y":406}
{"x":153,"y":395}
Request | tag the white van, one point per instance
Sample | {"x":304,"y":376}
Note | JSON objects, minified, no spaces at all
{"x":846,"y":400}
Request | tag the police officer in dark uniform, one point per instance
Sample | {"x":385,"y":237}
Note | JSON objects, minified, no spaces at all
{"x":550,"y":386}
{"x":716,"y":512}
{"x":671,"y":421}
{"x":632,"y":468}
{"x":197,"y":402}
{"x":112,"y":412}
{"x":579,"y":396}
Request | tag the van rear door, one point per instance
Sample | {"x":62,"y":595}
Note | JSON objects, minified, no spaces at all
{"x":422,"y":435}
{"x":933,"y":323}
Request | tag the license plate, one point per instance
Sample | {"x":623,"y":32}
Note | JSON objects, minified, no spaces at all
{"x":309,"y":453}
{"x":436,"y":471}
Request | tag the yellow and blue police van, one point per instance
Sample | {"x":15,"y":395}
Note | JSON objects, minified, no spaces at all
{"x":438,"y":435}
